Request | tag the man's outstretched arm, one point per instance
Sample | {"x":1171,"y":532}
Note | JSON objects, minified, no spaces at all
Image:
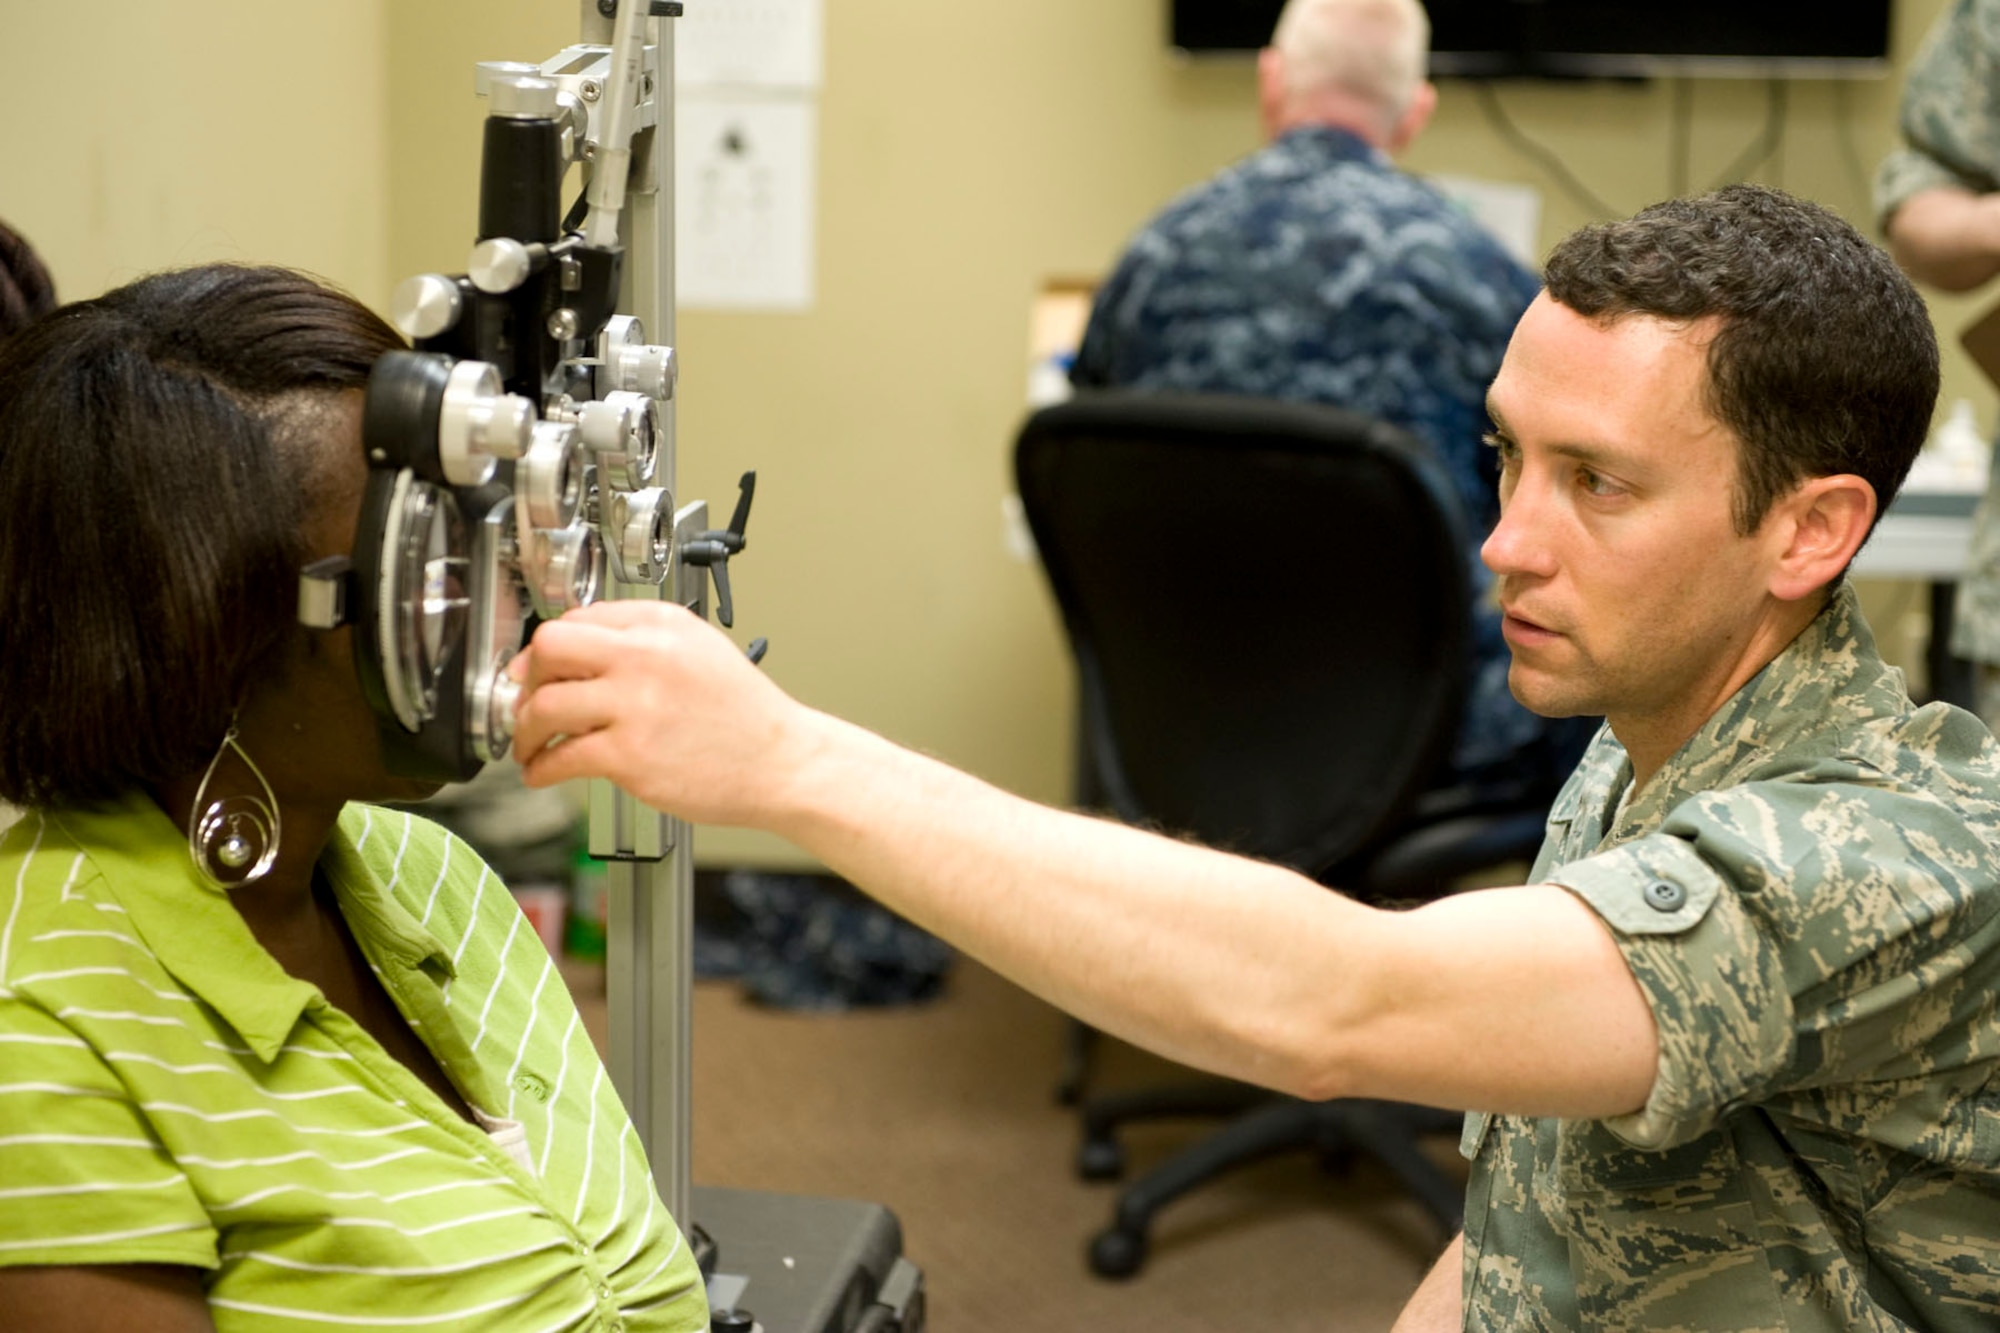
{"x":1506,"y":1000}
{"x":1948,"y":237}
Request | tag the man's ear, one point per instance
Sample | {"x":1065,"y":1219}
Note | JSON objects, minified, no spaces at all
{"x":1415,"y":116}
{"x":1820,"y":527}
{"x":1271,"y":90}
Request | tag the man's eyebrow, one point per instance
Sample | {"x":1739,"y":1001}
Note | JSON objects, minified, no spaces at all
{"x":1618,"y":460}
{"x":1610,"y":458}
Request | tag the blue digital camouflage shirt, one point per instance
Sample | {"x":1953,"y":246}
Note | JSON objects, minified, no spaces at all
{"x":1808,"y":894}
{"x":1315,"y":270}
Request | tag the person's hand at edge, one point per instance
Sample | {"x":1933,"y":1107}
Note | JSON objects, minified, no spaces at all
{"x":659,"y":701}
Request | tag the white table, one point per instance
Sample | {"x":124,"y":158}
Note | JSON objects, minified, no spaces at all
{"x":1927,"y":535}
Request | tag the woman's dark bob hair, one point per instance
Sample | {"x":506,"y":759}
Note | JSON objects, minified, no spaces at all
{"x":26,"y":290}
{"x":159,"y":452}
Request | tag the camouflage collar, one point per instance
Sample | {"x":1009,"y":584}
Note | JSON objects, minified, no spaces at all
{"x":1829,"y":676}
{"x":1326,"y":145}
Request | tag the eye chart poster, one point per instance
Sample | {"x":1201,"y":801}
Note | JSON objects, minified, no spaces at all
{"x":747,"y":75}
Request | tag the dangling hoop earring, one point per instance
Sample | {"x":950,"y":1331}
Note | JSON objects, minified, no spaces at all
{"x":233,"y":839}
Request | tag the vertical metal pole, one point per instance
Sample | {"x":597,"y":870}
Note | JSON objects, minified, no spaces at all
{"x":650,"y":880}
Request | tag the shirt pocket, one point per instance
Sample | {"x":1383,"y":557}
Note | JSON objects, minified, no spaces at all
{"x":1664,"y":1239}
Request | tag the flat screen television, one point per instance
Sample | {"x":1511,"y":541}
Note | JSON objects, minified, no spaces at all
{"x":1511,"y":38}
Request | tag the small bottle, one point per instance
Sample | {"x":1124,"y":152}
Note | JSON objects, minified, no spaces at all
{"x":1961,"y":445}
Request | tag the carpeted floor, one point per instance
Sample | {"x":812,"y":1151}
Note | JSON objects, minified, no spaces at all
{"x":944,"y":1113}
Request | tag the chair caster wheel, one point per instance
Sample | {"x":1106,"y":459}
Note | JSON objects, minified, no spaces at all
{"x":1100,"y":1159}
{"x":1117,"y":1253}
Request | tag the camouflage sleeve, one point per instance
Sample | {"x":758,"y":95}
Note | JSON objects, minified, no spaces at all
{"x":1117,"y":316}
{"x":1950,"y":115}
{"x":1092,"y":367}
{"x":1794,"y":934}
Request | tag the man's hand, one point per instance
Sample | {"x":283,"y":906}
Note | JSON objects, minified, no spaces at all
{"x":654,"y":698}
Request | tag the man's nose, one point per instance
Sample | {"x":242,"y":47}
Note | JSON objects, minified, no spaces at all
{"x":1519,"y":543}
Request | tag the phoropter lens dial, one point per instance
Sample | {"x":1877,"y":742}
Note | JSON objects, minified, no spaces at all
{"x":421,"y":603}
{"x":623,"y":431}
{"x":550,"y":478}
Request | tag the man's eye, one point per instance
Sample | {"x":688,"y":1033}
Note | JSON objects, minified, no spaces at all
{"x":1595,"y":484}
{"x":1501,"y":445}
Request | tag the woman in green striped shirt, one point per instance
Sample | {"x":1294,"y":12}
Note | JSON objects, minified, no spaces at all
{"x":352,"y":1093}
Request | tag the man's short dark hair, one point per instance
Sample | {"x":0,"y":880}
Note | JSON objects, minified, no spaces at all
{"x":160,"y":448}
{"x":1825,"y":361}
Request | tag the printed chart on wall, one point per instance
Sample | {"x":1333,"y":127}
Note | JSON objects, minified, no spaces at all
{"x":747,"y":76}
{"x":749,"y":44}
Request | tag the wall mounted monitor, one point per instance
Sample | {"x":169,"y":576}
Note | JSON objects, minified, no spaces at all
{"x":1618,"y":38}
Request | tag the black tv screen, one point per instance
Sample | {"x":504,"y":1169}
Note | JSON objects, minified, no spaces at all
{"x":1498,"y":38}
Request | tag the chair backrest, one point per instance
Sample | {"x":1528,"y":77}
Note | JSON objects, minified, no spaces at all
{"x":1268,"y":607}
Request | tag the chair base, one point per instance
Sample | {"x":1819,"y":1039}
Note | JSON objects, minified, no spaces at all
{"x":1386,"y":1131}
{"x":1099,"y":1156}
{"x":1077,"y":1049}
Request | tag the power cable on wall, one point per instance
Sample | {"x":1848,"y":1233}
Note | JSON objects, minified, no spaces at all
{"x":1504,"y":126}
{"x":1767,"y":147}
{"x":1850,"y":155}
{"x":1680,"y":147}
{"x":1769,"y":143}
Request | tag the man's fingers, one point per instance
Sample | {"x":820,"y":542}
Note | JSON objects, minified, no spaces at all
{"x":568,"y":708}
{"x":576,"y":757}
{"x":567,"y":650}
{"x":592,"y":639}
{"x":626,"y":613}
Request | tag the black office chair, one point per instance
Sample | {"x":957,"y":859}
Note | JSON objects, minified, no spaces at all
{"x":1268,"y":605}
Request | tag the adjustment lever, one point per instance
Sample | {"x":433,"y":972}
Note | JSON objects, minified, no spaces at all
{"x":713,"y":548}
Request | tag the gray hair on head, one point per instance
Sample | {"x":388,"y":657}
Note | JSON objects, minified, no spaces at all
{"x":1374,"y":49}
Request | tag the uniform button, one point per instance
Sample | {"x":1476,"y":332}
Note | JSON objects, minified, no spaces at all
{"x":1665,"y":896}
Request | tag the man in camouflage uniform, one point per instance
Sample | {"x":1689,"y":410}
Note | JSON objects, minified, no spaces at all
{"x":1315,"y":270}
{"x":1818,"y":1151}
{"x":1938,"y":198}
{"x":1734,"y":1053}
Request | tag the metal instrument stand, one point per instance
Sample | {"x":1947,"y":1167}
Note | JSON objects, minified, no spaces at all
{"x":650,"y":876}
{"x":817,"y":1264}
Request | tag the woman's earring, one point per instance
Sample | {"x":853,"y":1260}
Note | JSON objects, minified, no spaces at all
{"x":233,"y":839}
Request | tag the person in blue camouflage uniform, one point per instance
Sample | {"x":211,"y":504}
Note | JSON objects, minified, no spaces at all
{"x":1316,"y":270}
{"x":1938,"y":200}
{"x":1734,"y":1056}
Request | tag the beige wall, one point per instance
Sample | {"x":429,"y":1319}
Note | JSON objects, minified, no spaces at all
{"x":967,"y":152}
{"x":145,"y":135}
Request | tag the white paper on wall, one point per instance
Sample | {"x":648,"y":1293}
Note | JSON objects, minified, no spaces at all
{"x":1513,"y":213}
{"x":744,"y":186}
{"x":749,"y":44}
